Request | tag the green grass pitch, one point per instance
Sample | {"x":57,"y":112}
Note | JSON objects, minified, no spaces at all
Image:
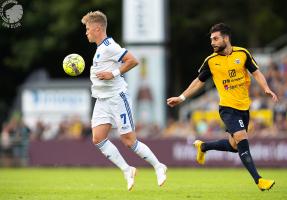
{"x":109,"y":184}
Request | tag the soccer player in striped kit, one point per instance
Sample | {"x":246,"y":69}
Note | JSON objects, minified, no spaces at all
{"x":113,"y":108}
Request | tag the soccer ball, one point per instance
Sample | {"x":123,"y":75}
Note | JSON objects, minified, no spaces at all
{"x":73,"y":64}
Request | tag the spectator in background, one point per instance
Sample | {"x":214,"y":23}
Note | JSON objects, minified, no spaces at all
{"x":39,"y":130}
{"x":21,"y":137}
{"x":16,"y":137}
{"x":62,"y":132}
{"x":202,"y":127}
{"x":178,"y":129}
{"x":283,"y":66}
{"x":273,"y":75}
{"x":6,"y":151}
{"x":75,"y":129}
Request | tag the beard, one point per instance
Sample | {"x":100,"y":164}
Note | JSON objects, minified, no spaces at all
{"x":219,"y":49}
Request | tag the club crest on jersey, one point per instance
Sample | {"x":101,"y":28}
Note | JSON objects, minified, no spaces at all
{"x":98,"y":56}
{"x":237,"y":61}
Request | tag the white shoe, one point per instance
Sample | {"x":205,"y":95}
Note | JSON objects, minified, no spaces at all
{"x":130,"y":177}
{"x":160,"y":171}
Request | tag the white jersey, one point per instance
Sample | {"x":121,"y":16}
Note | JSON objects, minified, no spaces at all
{"x":108,"y":57}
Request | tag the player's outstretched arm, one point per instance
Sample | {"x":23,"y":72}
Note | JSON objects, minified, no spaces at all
{"x":195,"y":85}
{"x":259,"y":77}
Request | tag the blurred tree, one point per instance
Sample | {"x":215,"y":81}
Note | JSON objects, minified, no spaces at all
{"x":254,"y":24}
{"x":49,"y":31}
{"x":50,"y":28}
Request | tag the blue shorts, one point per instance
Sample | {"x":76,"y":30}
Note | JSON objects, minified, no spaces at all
{"x":234,"y":120}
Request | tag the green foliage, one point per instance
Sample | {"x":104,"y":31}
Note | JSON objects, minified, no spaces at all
{"x":48,"y":25}
{"x":46,"y":29}
{"x":254,"y":24}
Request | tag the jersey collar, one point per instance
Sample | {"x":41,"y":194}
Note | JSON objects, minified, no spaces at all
{"x":104,"y":40}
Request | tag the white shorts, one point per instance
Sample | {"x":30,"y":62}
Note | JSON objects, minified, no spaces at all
{"x":116,"y":110}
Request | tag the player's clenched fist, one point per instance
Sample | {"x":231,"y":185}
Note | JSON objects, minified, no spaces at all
{"x":173,"y":101}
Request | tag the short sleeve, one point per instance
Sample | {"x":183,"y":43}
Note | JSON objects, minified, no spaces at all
{"x":204,"y":72}
{"x":117,"y":52}
{"x":250,"y":63}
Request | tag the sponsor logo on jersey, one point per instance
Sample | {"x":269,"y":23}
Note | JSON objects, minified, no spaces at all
{"x":232,"y":73}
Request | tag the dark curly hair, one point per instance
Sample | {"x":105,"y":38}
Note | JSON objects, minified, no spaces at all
{"x":222,"y":28}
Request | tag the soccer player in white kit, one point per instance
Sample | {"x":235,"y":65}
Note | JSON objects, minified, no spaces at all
{"x":113,"y":106}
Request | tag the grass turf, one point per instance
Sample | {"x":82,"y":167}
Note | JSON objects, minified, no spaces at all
{"x":109,"y":184}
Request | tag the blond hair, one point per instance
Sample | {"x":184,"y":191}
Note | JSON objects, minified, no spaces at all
{"x":95,"y":17}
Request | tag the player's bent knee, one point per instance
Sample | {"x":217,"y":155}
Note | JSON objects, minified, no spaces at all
{"x":128,"y":142}
{"x":97,"y":140}
{"x":239,"y":136}
{"x":128,"y":139}
{"x":232,"y":143}
{"x":234,"y":146}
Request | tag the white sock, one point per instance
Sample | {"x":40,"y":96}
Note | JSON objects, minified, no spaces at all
{"x":113,"y":154}
{"x":145,"y":153}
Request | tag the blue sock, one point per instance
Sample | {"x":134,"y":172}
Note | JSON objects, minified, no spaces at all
{"x":219,"y":145}
{"x":246,"y":159}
